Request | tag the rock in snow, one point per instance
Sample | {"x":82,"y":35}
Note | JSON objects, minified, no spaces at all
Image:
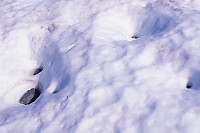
{"x":38,"y":70}
{"x":29,"y":96}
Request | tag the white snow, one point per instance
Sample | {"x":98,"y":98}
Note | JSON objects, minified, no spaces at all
{"x":98,"y":77}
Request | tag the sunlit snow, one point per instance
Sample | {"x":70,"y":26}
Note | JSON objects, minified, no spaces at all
{"x":101,"y":66}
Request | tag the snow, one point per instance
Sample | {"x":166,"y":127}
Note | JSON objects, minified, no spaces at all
{"x":97,"y":77}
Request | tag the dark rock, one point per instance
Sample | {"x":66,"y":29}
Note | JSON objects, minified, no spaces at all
{"x":38,"y":70}
{"x":30,"y":96}
{"x":135,"y":37}
{"x":189,"y":85}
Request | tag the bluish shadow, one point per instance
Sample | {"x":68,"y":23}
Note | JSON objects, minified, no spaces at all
{"x":56,"y":68}
{"x":194,"y":81}
{"x":155,"y":23}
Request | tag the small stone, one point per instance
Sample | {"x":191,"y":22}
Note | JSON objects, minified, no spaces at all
{"x":189,"y":85}
{"x":30,"y":96}
{"x":38,"y":70}
{"x":135,"y":37}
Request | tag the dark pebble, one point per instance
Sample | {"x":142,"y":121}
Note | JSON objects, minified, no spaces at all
{"x":189,"y":85}
{"x":30,"y":96}
{"x":38,"y":70}
{"x":135,"y":37}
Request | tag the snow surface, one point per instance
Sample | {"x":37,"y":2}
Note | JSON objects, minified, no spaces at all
{"x":97,"y":77}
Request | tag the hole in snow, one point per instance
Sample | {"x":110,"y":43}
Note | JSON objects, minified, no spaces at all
{"x":56,"y":91}
{"x":189,"y":85}
{"x":194,"y":80}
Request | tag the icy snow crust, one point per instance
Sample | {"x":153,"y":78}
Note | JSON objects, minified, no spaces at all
{"x":97,"y":78}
